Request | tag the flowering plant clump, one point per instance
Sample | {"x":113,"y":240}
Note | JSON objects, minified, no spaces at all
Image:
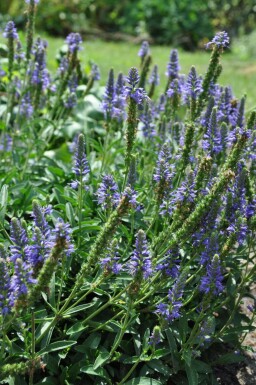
{"x":127,"y":244}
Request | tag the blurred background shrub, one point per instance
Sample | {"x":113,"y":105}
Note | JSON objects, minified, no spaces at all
{"x":178,"y":22}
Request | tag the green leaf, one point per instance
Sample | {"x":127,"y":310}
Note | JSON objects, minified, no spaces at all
{"x":52,"y":292}
{"x":229,"y":358}
{"x":56,"y":171}
{"x":101,"y":359}
{"x":130,"y":360}
{"x":158,"y":366}
{"x":200,"y":366}
{"x":92,"y":342}
{"x":77,"y":327}
{"x":192,"y":375}
{"x":56,"y":346}
{"x":3,"y":201}
{"x":173,"y":349}
{"x":143,"y":381}
{"x":161,"y":353}
{"x":187,"y":356}
{"x":145,"y":339}
{"x":79,"y":308}
{"x":100,"y":372}
{"x":59,"y":195}
{"x":87,"y":227}
{"x":70,"y":214}
{"x":231,"y":285}
{"x":183,"y":327}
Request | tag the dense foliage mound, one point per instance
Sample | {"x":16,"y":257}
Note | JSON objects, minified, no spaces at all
{"x":127,"y":222}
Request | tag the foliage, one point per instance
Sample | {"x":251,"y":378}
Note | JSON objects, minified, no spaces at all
{"x":127,"y":222}
{"x":185,"y":23}
{"x":245,"y":47}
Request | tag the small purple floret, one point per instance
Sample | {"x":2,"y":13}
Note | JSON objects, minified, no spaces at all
{"x":74,"y":42}
{"x":140,"y":262}
{"x":107,"y":193}
{"x":220,"y":40}
{"x":10,"y":31}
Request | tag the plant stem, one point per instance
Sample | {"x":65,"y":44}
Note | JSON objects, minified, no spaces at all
{"x":33,"y":349}
{"x":130,"y":371}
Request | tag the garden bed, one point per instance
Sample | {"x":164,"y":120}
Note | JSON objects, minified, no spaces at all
{"x":127,"y":221}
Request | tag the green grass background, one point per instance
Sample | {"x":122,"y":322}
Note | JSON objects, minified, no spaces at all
{"x":238,"y":72}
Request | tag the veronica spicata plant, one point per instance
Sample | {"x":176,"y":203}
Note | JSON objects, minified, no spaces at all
{"x":35,"y":104}
{"x":126,"y":262}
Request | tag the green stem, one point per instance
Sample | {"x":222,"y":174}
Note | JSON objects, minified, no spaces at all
{"x":33,"y":348}
{"x":80,"y":208}
{"x":130,"y":371}
{"x":122,"y":332}
{"x":3,"y":344}
{"x":94,"y":286}
{"x":105,"y":147}
{"x":61,"y":283}
{"x":101,"y":327}
{"x":220,"y":333}
{"x":103,"y":307}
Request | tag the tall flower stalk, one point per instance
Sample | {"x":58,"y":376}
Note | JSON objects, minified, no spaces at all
{"x":81,"y":171}
{"x":136,"y":97}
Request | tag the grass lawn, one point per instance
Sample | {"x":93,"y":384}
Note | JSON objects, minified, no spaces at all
{"x":237,"y":72}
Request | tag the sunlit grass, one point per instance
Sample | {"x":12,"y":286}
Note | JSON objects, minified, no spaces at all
{"x":237,"y":72}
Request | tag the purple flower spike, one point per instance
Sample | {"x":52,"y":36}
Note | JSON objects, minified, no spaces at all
{"x":110,"y":263}
{"x":6,"y":293}
{"x":170,"y":266}
{"x":63,"y":66}
{"x":220,"y":40}
{"x":95,"y":71}
{"x":171,"y":311}
{"x":173,"y":65}
{"x":39,"y":217}
{"x":163,"y":172}
{"x":19,"y":55}
{"x":40,"y":249}
{"x":114,"y":98}
{"x":133,"y":77}
{"x":61,"y":237}
{"x":139,"y":95}
{"x":74,"y":42}
{"x":212,"y":139}
{"x":154,"y":78}
{"x":193,"y":86}
{"x":107,"y":193}
{"x":10,"y":31}
{"x":19,"y":239}
{"x":212,"y":281}
{"x":175,"y":89}
{"x":144,"y":49}
{"x":140,"y":262}
{"x":81,"y":166}
{"x":108,"y":97}
{"x":21,"y":278}
{"x":131,"y":194}
{"x":26,"y":107}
